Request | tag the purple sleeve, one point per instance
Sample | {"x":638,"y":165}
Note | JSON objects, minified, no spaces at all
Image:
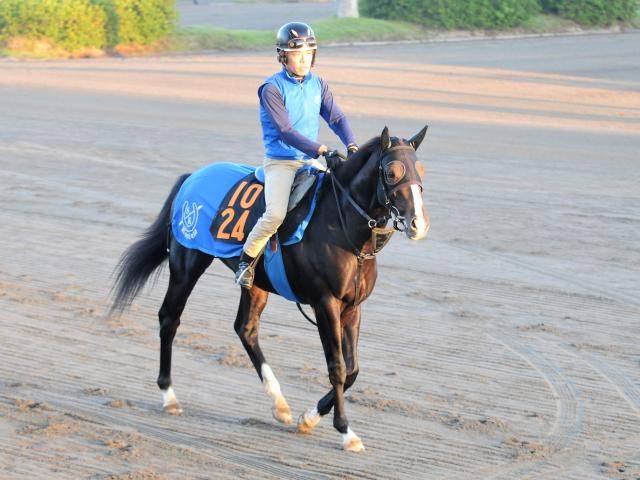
{"x":335,"y":117}
{"x":273,"y":104}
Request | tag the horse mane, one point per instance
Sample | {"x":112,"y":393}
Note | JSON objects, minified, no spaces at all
{"x":356,"y":160}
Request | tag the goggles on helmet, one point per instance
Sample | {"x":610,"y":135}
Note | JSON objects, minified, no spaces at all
{"x":307,"y":43}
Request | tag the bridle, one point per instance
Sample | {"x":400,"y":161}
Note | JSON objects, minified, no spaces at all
{"x":386,"y":187}
{"x":404,"y":156}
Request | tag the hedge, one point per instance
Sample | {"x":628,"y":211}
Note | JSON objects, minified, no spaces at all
{"x":593,"y":12}
{"x":449,"y":14}
{"x":497,"y":14}
{"x":138,"y":21}
{"x":77,"y":24}
{"x":68,"y":24}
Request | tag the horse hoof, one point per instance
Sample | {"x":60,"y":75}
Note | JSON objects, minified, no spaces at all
{"x":355,"y":445}
{"x":172,"y":409}
{"x":351,"y":442}
{"x":282,"y":415}
{"x":281,"y":411}
{"x":307,"y":422}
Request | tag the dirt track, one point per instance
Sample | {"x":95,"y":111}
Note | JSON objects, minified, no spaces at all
{"x":504,"y":346}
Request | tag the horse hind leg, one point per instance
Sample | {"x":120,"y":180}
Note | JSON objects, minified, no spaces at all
{"x":247,"y":326}
{"x":185,"y":268}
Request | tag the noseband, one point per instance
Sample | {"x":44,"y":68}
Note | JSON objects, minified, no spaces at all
{"x":392,"y":178}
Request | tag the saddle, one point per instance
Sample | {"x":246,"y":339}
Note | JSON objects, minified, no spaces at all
{"x":303,"y":181}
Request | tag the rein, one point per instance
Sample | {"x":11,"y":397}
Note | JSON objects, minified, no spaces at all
{"x":361,"y":256}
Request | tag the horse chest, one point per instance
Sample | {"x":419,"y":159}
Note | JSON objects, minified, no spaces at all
{"x":358,"y":283}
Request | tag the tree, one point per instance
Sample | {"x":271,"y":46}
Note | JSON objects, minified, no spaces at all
{"x":347,"y":8}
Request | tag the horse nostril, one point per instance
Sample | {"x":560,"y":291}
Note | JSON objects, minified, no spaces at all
{"x":414,"y":225}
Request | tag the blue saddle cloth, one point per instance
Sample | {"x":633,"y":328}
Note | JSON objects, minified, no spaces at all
{"x":216,"y":208}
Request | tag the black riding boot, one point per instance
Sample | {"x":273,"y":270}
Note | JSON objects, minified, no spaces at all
{"x":244,"y":274}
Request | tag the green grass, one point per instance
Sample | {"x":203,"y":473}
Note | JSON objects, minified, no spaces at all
{"x":208,"y":38}
{"x":332,"y":30}
{"x":340,"y":30}
{"x":547,"y":24}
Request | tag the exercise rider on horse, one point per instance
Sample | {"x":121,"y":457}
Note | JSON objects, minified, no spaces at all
{"x":291,"y":104}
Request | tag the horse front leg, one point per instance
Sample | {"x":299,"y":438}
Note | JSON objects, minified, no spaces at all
{"x":186,"y":267}
{"x":247,"y":326}
{"x":350,"y":334}
{"x":339,"y":335}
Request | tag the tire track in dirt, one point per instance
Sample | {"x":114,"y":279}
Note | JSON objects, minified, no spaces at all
{"x":620,"y":381}
{"x":568,"y":422}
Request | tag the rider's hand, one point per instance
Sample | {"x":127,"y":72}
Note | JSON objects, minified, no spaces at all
{"x":322,"y":150}
{"x":334,"y":159}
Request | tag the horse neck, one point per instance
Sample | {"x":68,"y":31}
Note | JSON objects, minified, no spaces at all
{"x":360,"y":179}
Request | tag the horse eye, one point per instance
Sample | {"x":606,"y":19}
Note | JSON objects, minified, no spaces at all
{"x":394,"y":172}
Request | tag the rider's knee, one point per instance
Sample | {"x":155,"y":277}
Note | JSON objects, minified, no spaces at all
{"x":275,"y":216}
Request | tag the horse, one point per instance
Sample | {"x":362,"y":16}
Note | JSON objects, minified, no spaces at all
{"x":332,"y":269}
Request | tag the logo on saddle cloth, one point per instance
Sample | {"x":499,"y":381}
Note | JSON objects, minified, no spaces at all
{"x":189,"y":220}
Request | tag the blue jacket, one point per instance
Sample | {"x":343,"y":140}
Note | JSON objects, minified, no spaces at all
{"x":302,"y":101}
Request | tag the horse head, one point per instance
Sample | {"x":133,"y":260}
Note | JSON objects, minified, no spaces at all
{"x":399,"y":184}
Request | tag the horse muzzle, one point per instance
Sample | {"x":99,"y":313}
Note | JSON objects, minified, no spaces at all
{"x":418,"y":228}
{"x":418,"y":225}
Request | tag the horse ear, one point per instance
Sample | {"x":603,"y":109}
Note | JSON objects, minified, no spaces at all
{"x":385,"y":141}
{"x":416,"y":140}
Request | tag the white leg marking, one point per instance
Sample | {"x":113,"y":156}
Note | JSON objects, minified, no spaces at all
{"x":308,"y":420}
{"x":351,"y":442}
{"x":421,"y":222}
{"x":170,"y":402}
{"x":270,"y":382}
{"x":281,"y":411}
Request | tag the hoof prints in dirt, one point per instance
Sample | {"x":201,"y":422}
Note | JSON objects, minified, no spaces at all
{"x":620,"y":470}
{"x":28,"y":405}
{"x":470,"y":423}
{"x":525,"y":450}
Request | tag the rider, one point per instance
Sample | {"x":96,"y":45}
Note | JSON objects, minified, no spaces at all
{"x":291,"y":103}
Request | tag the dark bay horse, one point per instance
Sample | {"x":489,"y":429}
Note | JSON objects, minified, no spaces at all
{"x":333,"y":269}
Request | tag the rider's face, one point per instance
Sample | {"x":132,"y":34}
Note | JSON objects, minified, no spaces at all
{"x":299,"y":62}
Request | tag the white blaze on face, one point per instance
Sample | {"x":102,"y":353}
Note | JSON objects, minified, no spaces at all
{"x":419,"y":219}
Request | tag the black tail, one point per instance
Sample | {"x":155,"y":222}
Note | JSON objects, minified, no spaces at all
{"x":143,"y":257}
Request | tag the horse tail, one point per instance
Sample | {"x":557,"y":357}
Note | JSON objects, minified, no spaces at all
{"x":144,"y":256}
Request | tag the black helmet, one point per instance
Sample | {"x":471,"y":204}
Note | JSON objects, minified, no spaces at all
{"x":295,"y":36}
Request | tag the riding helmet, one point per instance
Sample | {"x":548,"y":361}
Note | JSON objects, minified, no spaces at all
{"x":295,"y":36}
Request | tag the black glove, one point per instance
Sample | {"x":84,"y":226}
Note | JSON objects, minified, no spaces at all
{"x":334,"y":159}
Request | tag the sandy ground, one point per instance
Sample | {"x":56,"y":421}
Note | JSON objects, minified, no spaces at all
{"x":504,"y":346}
